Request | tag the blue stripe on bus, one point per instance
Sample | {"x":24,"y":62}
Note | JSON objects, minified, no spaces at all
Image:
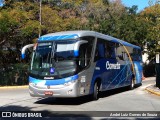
{"x":114,"y":77}
{"x":120,"y":72}
{"x":126,"y":74}
{"x":53,"y":81}
{"x":60,"y":37}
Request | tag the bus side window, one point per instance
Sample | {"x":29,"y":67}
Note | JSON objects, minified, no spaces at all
{"x":119,"y":52}
{"x":84,"y":55}
{"x":110,"y":50}
{"x":87,"y":49}
{"x":139,"y":55}
{"x":82,"y":51}
{"x":100,"y":50}
{"x":136,"y":55}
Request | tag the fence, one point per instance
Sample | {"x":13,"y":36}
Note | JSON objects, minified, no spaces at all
{"x":149,"y":70}
{"x":14,"y":75}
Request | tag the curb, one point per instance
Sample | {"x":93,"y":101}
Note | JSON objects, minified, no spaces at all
{"x":152,"y":91}
{"x":149,"y":78}
{"x":13,"y":87}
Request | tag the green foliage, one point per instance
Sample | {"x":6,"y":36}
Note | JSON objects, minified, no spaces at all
{"x":19,"y":23}
{"x":9,"y":74}
{"x":152,"y":16}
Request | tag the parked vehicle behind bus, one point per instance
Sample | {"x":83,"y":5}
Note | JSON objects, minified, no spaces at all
{"x":78,"y":63}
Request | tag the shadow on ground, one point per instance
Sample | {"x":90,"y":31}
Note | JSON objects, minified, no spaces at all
{"x":79,"y":100}
{"x":68,"y":115}
{"x":61,"y":115}
{"x":54,"y":115}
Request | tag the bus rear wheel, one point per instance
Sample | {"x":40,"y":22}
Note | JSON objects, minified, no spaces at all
{"x":131,"y":86}
{"x":95,"y":91}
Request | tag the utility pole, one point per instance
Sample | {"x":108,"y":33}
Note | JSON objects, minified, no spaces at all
{"x":157,"y":70}
{"x":157,"y":66}
{"x":40,"y":16}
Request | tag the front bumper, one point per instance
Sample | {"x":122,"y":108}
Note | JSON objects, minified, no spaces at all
{"x":69,"y":90}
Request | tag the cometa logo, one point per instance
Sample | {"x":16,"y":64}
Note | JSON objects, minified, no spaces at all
{"x":110,"y":66}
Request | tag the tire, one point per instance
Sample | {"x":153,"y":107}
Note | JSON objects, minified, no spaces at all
{"x":95,"y":91}
{"x":132,"y":85}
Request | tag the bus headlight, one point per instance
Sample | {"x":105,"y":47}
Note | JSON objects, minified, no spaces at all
{"x":69,"y":92}
{"x":32,"y":84}
{"x":69,"y":83}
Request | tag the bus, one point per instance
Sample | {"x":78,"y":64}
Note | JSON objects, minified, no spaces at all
{"x":78,"y":63}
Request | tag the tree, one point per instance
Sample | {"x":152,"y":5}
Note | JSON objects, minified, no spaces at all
{"x":152,"y":16}
{"x":17,"y":28}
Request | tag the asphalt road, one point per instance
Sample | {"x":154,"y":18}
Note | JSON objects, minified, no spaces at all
{"x":116,"y":100}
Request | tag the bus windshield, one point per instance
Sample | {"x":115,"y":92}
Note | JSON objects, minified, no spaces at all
{"x":54,"y":59}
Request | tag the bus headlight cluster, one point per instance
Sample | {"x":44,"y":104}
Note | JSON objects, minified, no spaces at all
{"x":69,"y":92}
{"x":32,"y":84}
{"x":69,"y":83}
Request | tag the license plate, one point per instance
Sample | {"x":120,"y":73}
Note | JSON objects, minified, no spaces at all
{"x":50,"y":93}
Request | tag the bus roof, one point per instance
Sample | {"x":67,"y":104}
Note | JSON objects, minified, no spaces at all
{"x":64,"y":35}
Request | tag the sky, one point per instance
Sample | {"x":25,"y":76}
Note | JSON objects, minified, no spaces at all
{"x":1,"y":3}
{"x":129,"y":3}
{"x":140,"y":3}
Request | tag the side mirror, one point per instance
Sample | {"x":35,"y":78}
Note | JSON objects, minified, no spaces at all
{"x":24,"y":49}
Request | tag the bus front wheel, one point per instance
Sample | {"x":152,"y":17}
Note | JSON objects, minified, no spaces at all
{"x":95,"y":91}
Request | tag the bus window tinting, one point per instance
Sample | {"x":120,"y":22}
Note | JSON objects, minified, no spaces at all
{"x":104,"y":49}
{"x":85,"y":52}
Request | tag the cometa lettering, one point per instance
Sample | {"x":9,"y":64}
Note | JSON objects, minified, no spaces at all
{"x":110,"y":66}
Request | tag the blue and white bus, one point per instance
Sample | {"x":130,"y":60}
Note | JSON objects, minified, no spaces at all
{"x":78,"y":63}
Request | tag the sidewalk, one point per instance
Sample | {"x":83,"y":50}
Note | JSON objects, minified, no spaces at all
{"x":153,"y":89}
{"x":12,"y":87}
